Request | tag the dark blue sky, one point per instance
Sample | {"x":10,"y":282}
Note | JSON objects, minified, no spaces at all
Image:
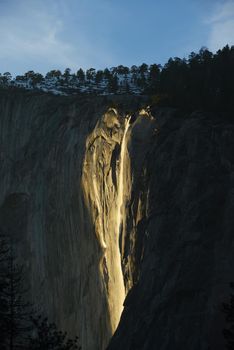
{"x":42,"y":35}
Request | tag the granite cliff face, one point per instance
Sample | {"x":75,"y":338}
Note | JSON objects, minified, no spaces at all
{"x":106,"y":203}
{"x":189,"y":244}
{"x":65,"y":180}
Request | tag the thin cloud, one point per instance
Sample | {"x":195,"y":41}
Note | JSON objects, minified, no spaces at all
{"x":221,"y":24}
{"x":38,"y":35}
{"x":34,"y":34}
{"x":222,"y":12}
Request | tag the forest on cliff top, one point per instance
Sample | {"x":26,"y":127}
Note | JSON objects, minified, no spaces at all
{"x":204,"y":80}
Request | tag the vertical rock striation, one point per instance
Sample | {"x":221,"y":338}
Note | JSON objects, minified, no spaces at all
{"x":188,"y":241}
{"x":64,"y":193}
{"x":100,"y":205}
{"x":105,"y":165}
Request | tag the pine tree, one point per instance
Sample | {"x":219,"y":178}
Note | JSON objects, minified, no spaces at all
{"x":14,"y":311}
{"x":4,"y":251}
{"x":47,"y":337}
{"x":19,"y":327}
{"x":80,"y":75}
{"x":113,"y":84}
{"x":228,"y":309}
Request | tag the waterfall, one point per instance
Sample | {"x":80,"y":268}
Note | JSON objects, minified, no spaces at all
{"x":120,"y":198}
{"x":119,"y":281}
{"x":105,"y":201}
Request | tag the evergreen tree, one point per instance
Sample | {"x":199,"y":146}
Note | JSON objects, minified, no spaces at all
{"x":99,"y":77}
{"x":19,"y":328}
{"x":7,"y":76}
{"x":90,"y":74}
{"x":154,"y":76}
{"x":228,"y":309}
{"x":54,"y":74}
{"x":18,"y":311}
{"x":29,"y":74}
{"x":37,"y":78}
{"x":47,"y":337}
{"x":4,"y":252}
{"x":67,"y":74}
{"x":80,"y":75}
{"x":107,"y":73}
{"x":113,"y":84}
{"x":134,"y":69}
{"x":143,"y":68}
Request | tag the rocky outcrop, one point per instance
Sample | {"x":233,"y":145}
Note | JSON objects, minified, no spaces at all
{"x":105,"y":202}
{"x":101,"y":183}
{"x":43,"y":145}
{"x":188,"y":238}
{"x":65,"y":182}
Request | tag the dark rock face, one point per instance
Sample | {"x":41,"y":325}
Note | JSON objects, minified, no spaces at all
{"x":60,"y":166}
{"x":189,"y":244}
{"x":176,"y":243}
{"x":42,"y":147}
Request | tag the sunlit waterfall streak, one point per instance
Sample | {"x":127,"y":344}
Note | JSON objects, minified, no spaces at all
{"x":119,"y":281}
{"x":98,"y":204}
{"x":120,"y":198}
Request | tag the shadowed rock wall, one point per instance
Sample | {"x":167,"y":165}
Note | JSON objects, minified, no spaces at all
{"x":175,"y":239}
{"x":188,"y":244}
{"x":59,"y":201}
{"x":42,"y":149}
